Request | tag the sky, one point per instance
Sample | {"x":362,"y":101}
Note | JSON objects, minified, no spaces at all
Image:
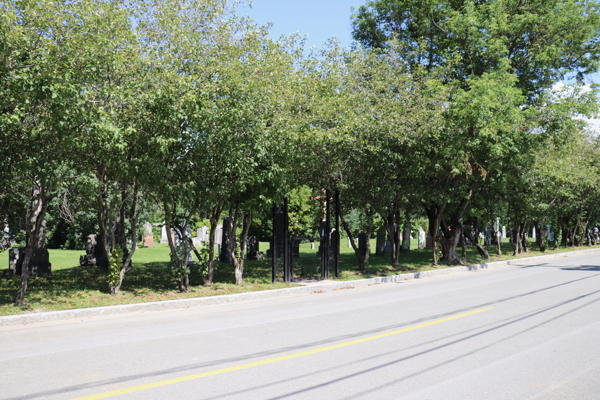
{"x":319,"y":19}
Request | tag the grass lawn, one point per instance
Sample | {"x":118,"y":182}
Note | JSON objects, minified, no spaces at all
{"x":72,"y":286}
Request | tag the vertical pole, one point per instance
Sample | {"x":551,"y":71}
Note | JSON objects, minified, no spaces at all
{"x":273,"y":246}
{"x":338,"y":236}
{"x":286,"y":244}
{"x":327,"y":232}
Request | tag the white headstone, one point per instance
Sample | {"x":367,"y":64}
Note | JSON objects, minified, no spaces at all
{"x":219,"y":234}
{"x":533,"y":233}
{"x":421,"y":238}
{"x":204,"y":235}
{"x":163,"y":235}
{"x":503,"y":232}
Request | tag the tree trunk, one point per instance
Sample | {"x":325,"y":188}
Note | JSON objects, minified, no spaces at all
{"x":34,"y":227}
{"x":450,"y":239}
{"x":180,"y":230}
{"x":435,"y":213}
{"x":449,"y":244}
{"x":393,"y":230}
{"x":237,"y":259}
{"x":363,"y":260}
{"x":583,"y":232}
{"x":474,"y":238}
{"x":525,"y":236}
{"x":498,"y":243}
{"x":214,"y":220}
{"x":133,"y":216}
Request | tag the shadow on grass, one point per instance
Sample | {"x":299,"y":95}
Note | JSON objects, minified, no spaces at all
{"x":88,"y":286}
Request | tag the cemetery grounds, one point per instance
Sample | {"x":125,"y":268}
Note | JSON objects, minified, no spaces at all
{"x":71,"y":286}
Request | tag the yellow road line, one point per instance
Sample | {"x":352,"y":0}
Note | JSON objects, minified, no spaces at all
{"x":275,"y":359}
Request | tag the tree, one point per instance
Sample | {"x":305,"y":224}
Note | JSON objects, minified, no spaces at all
{"x":497,"y":59}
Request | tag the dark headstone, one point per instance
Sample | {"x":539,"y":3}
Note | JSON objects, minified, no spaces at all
{"x":428,"y":242}
{"x":94,"y":253}
{"x":362,"y":243}
{"x":253,"y":248}
{"x":406,"y":236}
{"x":487,"y":236}
{"x":38,"y":264}
{"x":380,"y":242}
{"x":225,"y":256}
{"x":334,"y":243}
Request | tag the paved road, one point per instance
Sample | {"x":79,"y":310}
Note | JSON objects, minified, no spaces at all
{"x":528,"y":331}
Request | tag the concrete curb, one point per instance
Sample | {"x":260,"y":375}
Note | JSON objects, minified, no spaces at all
{"x":260,"y":295}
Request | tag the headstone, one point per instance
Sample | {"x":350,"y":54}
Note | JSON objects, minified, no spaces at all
{"x":149,"y":242}
{"x":295,"y":248}
{"x":465,"y":238}
{"x":204,"y":233}
{"x":38,"y":264}
{"x":380,"y":243}
{"x":6,"y":239}
{"x":148,"y":239}
{"x":218,"y":234}
{"x":333,"y":248}
{"x":487,"y":232}
{"x":94,"y":253}
{"x":225,"y":253}
{"x":389,"y":247}
{"x":428,"y":242}
{"x":163,"y":235}
{"x":188,"y":235}
{"x":312,"y":246}
{"x":503,"y":232}
{"x":253,"y":248}
{"x":497,"y":237}
{"x":533,"y":233}
{"x":421,"y":238}
{"x":362,"y":243}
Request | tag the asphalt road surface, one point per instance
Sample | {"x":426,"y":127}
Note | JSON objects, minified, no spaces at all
{"x":529,"y":331}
